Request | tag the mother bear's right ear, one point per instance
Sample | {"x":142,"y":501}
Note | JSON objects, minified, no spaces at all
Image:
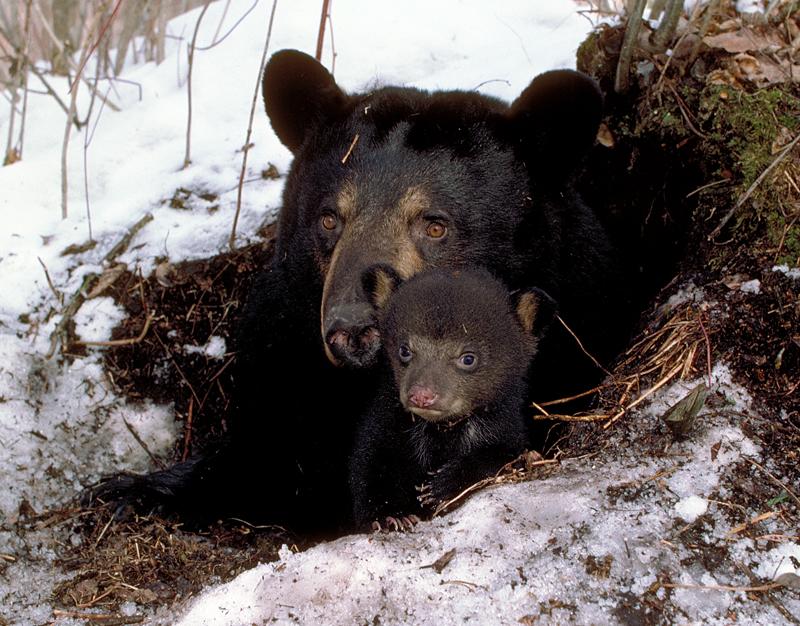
{"x":299,"y":95}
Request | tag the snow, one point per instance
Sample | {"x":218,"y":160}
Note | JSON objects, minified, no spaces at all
{"x":751,"y":286}
{"x":793,"y":272}
{"x":781,"y":560}
{"x":572,"y":547}
{"x":691,"y":507}
{"x":214,"y":348}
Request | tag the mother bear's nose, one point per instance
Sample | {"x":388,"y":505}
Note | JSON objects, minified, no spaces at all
{"x":351,"y":335}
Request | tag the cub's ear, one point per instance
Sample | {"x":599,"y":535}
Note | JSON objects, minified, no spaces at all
{"x":556,"y":119}
{"x":299,"y":95}
{"x":535,"y":311}
{"x":379,"y":283}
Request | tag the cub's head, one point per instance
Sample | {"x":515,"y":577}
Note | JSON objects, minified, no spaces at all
{"x":457,"y":341}
{"x":412,"y":180}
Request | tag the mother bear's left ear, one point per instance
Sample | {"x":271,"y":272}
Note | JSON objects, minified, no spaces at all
{"x":299,"y":95}
{"x":555,"y":120}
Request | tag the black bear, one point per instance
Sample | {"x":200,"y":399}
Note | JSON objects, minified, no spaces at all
{"x":459,"y":346}
{"x":408,"y":179}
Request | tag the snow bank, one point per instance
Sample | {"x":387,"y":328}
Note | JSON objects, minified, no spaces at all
{"x":586,"y":545}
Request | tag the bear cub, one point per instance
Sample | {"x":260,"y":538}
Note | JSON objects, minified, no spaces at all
{"x":450,"y":409}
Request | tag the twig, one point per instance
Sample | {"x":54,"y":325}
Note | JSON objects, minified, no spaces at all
{"x":179,"y":370}
{"x":753,"y":187}
{"x":599,"y":417}
{"x":246,"y":148}
{"x":122,"y":342}
{"x":685,"y":112}
{"x":222,"y":21}
{"x":708,"y":348}
{"x":59,"y":296}
{"x":187,"y":430}
{"x":24,"y":61}
{"x":215,"y":42}
{"x":85,"y":56}
{"x":645,"y":395}
{"x":482,"y":483}
{"x":752,"y":522}
{"x":87,"y":139}
{"x":333,"y":45}
{"x":141,"y":442}
{"x":106,"y":618}
{"x":774,"y":479}
{"x":706,"y":186}
{"x":78,"y":298}
{"x":321,"y":35}
{"x":756,"y":589}
{"x":53,"y":93}
{"x":72,"y":114}
{"x":577,"y":396}
{"x":350,"y":149}
{"x":580,"y":345}
{"x":186,"y":159}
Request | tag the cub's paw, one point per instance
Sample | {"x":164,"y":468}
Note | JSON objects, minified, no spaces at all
{"x":444,"y":483}
{"x":402,"y":524}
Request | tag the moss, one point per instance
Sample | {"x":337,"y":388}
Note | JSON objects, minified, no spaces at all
{"x":745,"y":126}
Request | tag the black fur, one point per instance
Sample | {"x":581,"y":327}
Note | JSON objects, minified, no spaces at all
{"x":494,"y":175}
{"x":404,"y":464}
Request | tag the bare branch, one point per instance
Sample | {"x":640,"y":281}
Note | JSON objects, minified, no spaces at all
{"x":629,"y":45}
{"x":216,"y":42}
{"x":186,"y":157}
{"x":321,"y":35}
{"x":246,"y":148}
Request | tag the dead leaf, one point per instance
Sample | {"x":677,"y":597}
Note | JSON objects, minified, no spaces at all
{"x":734,"y":281}
{"x":443,"y":561}
{"x":604,"y":136}
{"x":763,"y":72}
{"x":78,"y":248}
{"x":743,"y":40}
{"x":107,"y":278}
{"x":681,"y":416}
{"x":789,"y":579}
{"x":165,"y":274}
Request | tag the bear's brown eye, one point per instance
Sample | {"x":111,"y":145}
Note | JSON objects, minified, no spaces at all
{"x":436,"y":230}
{"x":329,"y":221}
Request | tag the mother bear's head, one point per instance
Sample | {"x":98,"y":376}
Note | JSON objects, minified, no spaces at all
{"x":414,"y":180}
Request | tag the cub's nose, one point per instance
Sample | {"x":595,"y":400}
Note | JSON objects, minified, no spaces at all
{"x":422,"y":396}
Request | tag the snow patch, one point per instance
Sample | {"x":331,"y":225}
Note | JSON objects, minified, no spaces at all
{"x":784,"y":559}
{"x":691,"y":507}
{"x":751,"y":286}
{"x":96,"y":318}
{"x":214,"y":348}
{"x":793,"y":272}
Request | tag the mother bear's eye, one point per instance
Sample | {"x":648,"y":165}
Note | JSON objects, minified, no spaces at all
{"x":436,"y":230}
{"x":329,"y":221}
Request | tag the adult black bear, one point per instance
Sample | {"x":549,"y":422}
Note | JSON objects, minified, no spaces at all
{"x":451,"y":410}
{"x":408,"y":179}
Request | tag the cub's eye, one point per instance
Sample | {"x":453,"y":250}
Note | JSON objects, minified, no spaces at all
{"x":436,"y":230}
{"x":328,"y":221}
{"x":405,"y":354}
{"x":467,"y":361}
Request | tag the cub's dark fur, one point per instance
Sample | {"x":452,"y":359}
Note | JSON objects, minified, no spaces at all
{"x":450,"y":412}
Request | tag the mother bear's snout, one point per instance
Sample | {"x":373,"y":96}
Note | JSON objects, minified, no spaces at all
{"x":351,"y":335}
